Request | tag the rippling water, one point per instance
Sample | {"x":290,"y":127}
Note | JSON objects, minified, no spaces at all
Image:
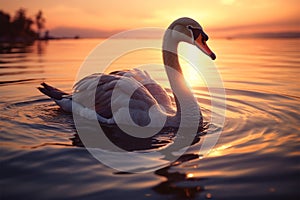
{"x":256,"y":157}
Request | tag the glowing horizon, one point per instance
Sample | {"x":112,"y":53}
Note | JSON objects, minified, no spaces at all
{"x":220,"y":17}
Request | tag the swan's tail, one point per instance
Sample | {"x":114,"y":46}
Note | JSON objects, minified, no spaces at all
{"x":64,"y":100}
{"x":52,"y":92}
{"x":61,"y":98}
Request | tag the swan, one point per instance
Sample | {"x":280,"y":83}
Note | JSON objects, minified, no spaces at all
{"x":95,"y":93}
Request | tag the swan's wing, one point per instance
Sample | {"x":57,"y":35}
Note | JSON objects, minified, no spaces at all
{"x":156,"y":91}
{"x":95,"y":92}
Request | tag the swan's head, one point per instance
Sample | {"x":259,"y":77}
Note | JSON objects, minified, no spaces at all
{"x":199,"y":39}
{"x":188,"y":30}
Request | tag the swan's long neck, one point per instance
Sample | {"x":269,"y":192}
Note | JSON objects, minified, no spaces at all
{"x":174,"y":73}
{"x":172,"y":67}
{"x":170,"y":56}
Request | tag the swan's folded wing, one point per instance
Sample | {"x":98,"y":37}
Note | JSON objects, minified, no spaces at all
{"x":101,"y":91}
{"x":154,"y":88}
{"x":156,"y":91}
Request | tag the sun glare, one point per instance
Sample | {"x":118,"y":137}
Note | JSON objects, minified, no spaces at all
{"x":190,"y":175}
{"x":194,"y":64}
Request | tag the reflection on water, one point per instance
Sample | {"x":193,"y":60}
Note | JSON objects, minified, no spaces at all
{"x":257,"y":155}
{"x":182,"y":185}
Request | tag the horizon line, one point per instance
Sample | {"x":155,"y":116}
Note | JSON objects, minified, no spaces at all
{"x":89,"y":33}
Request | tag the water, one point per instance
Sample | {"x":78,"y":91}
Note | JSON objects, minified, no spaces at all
{"x":256,"y":157}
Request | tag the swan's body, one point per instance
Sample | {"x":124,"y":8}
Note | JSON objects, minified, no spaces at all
{"x":109,"y":94}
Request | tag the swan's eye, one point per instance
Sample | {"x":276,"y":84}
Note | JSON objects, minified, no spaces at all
{"x":197,"y":32}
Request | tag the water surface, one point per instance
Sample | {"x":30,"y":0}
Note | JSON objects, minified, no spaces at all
{"x":256,"y":157}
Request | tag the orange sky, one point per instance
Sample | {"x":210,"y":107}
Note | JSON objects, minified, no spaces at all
{"x":220,"y":17}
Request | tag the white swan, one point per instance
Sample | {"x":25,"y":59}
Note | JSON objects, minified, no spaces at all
{"x":94,"y":92}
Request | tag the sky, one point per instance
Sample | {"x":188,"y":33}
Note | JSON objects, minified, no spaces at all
{"x":101,"y":18}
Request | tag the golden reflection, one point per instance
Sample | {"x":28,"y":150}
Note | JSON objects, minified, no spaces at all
{"x":236,"y":146}
{"x":190,"y":175}
{"x":208,"y":195}
{"x":222,"y":172}
{"x":179,"y":184}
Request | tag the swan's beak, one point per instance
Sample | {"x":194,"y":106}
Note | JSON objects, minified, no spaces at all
{"x":201,"y":44}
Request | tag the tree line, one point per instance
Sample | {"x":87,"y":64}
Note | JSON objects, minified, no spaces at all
{"x":20,"y":27}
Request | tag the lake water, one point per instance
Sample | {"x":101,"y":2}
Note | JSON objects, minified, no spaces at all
{"x":257,"y":155}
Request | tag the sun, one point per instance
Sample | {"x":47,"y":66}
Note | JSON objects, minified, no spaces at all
{"x":190,"y":59}
{"x":192,"y":77}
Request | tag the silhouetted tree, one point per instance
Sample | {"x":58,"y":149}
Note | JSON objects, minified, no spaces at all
{"x":40,"y":22}
{"x":4,"y":24}
{"x":19,"y":28}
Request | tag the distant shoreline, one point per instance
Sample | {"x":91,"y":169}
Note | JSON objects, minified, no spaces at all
{"x":280,"y":35}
